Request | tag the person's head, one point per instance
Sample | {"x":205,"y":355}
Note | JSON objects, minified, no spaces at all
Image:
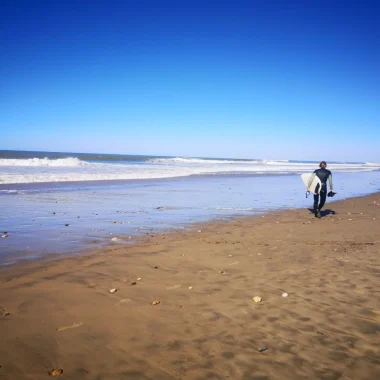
{"x":322,"y":164}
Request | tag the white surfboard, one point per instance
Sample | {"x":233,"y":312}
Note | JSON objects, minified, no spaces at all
{"x":316,"y":181}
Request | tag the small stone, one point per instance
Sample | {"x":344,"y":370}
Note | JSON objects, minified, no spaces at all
{"x":4,"y":236}
{"x":257,"y":299}
{"x":56,"y":372}
{"x":285,"y":294}
{"x":155,"y":302}
{"x":66,"y":225}
{"x":138,"y":279}
{"x":155,"y":267}
{"x":222,"y":272}
{"x":199,"y":230}
{"x":134,"y":283}
{"x":5,"y":314}
{"x":259,"y":254}
{"x":113,"y":290}
{"x":262,"y":348}
{"x":190,"y":287}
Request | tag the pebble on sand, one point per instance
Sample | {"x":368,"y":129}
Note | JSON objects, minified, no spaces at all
{"x":190,"y":287}
{"x":262,"y":348}
{"x":155,"y":302}
{"x":285,"y":294}
{"x":113,"y":290}
{"x":257,"y":299}
{"x":56,"y":372}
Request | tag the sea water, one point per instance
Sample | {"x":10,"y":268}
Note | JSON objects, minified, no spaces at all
{"x":62,"y":202}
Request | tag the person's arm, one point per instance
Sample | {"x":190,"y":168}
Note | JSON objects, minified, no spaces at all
{"x":331,"y":182}
{"x":311,"y":180}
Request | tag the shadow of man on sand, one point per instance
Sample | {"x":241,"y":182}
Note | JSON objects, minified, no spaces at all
{"x":323,"y":212}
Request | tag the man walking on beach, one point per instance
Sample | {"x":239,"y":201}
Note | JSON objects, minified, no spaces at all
{"x":323,"y":174}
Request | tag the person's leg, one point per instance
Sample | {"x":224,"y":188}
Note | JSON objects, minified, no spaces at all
{"x":323,"y":195}
{"x":316,"y":199}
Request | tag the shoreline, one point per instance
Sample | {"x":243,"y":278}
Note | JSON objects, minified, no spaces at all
{"x":123,"y":242}
{"x":52,"y":219}
{"x":62,"y":315}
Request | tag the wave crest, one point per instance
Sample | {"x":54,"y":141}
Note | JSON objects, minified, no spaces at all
{"x":59,"y":162}
{"x":186,"y":160}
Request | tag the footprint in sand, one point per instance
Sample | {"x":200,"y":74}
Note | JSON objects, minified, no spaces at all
{"x":173,"y":287}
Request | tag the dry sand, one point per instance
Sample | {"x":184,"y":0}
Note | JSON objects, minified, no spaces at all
{"x":206,"y":326}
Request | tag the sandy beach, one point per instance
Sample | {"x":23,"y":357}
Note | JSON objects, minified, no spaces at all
{"x":183,"y":306}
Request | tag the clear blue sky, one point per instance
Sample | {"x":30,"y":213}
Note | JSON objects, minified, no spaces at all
{"x":259,"y":79}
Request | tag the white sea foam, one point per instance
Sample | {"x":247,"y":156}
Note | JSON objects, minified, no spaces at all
{"x":9,"y":191}
{"x":189,"y":160}
{"x":69,"y":161}
{"x":373,"y":164}
{"x":73,"y":169}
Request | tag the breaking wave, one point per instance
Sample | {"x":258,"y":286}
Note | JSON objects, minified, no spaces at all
{"x":59,"y":162}
{"x":70,"y":169}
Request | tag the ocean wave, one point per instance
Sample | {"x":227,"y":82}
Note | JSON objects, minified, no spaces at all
{"x":274,"y":162}
{"x":207,"y":161}
{"x":374,"y":164}
{"x":10,"y":191}
{"x":72,"y":169}
{"x":59,"y":162}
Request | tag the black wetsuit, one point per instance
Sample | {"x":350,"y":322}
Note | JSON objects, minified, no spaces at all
{"x":323,"y":174}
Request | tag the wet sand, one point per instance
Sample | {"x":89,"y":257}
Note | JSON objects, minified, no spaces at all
{"x":206,"y":325}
